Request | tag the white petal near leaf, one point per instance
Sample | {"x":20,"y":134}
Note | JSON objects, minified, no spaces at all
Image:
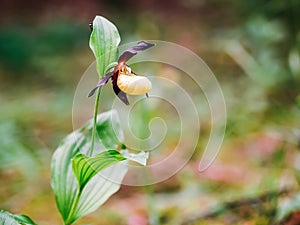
{"x":140,"y":158}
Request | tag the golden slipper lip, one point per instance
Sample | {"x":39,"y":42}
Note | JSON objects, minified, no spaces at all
{"x":134,"y":84}
{"x":123,"y":79}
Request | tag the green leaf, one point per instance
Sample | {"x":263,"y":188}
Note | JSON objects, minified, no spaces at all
{"x":85,"y":168}
{"x":109,"y":135}
{"x":7,"y":218}
{"x":99,"y":188}
{"x":23,"y":219}
{"x":104,"y":42}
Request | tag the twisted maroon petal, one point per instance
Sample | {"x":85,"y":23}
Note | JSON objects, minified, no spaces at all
{"x":101,"y":83}
{"x":126,"y":55}
{"x":121,"y":95}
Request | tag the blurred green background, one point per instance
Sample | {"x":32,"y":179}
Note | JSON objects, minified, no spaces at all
{"x":253,"y":48}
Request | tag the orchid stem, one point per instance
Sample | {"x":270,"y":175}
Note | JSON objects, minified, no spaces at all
{"x":90,"y":152}
{"x":73,"y":207}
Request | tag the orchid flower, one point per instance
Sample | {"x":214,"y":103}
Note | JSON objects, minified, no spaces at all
{"x":124,"y":80}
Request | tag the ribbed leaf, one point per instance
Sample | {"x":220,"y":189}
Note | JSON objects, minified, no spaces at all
{"x":85,"y":168}
{"x":7,"y":218}
{"x":104,"y":42}
{"x":98,"y":189}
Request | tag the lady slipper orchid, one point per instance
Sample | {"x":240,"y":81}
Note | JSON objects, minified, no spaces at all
{"x":124,"y":80}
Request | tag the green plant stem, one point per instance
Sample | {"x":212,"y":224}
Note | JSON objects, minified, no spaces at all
{"x":90,"y":152}
{"x":74,"y":205}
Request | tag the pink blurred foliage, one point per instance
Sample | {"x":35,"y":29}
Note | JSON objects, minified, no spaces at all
{"x":222,"y":172}
{"x":263,"y":144}
{"x":137,"y":219}
{"x":131,"y":205}
{"x":234,"y":165}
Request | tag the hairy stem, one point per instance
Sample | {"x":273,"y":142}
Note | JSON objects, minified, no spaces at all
{"x":91,"y":150}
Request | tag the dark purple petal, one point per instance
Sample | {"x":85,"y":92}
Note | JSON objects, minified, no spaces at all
{"x":101,"y":83}
{"x":121,"y":95}
{"x":126,"y":55}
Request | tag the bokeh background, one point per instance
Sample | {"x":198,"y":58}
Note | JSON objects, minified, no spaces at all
{"x":253,"y":48}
